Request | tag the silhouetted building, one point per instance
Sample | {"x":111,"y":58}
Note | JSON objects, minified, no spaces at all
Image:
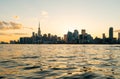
{"x":2,"y":42}
{"x":98,"y":40}
{"x":111,"y":35}
{"x":85,"y":38}
{"x":111,"y":32}
{"x":13,"y":42}
{"x":104,"y":38}
{"x":25,"y":40}
{"x":83,"y":31}
{"x":119,"y":38}
{"x":118,"y":35}
{"x":37,"y":37}
{"x":76,"y":36}
{"x":65,"y":38}
{"x":39,"y":31}
{"x":69,"y":37}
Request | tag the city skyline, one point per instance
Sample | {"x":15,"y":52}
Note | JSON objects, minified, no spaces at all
{"x":75,"y":37}
{"x":20,"y":18}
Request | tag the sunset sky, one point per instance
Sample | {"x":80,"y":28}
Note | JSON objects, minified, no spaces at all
{"x":19,"y":18}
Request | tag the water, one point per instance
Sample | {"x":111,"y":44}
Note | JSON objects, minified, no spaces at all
{"x":59,"y":61}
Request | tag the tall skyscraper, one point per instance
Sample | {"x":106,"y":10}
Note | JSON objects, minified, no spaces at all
{"x":39,"y":31}
{"x":69,"y":37}
{"x":111,"y":33}
{"x":76,"y":34}
{"x":118,"y":35}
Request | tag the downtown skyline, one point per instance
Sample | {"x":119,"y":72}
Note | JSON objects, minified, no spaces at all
{"x":20,"y":18}
{"x":75,"y":37}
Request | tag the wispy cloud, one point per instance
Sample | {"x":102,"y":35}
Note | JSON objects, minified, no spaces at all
{"x":43,"y":16}
{"x":16,"y":17}
{"x":28,"y":28}
{"x":10,"y":25}
{"x":19,"y":33}
{"x":2,"y":33}
{"x":10,"y":34}
{"x":44,"y":13}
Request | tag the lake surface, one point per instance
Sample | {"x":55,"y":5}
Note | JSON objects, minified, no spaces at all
{"x":59,"y":61}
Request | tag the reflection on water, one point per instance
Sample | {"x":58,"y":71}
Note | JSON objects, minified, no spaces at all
{"x":60,"y":61}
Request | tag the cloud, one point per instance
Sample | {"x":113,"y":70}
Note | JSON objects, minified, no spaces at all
{"x":10,"y":34}
{"x":16,"y":17}
{"x":20,"y":33}
{"x":10,"y":25}
{"x":29,"y":28}
{"x":3,"y":34}
{"x":44,"y":13}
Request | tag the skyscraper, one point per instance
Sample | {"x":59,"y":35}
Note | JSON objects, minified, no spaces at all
{"x":111,"y":33}
{"x":83,"y":31}
{"x":76,"y":34}
{"x":104,"y":36}
{"x":118,"y":35}
{"x":39,"y":31}
{"x":69,"y":37}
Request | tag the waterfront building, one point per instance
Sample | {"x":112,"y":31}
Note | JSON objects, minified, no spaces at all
{"x":85,"y":38}
{"x":98,"y":40}
{"x":69,"y":37}
{"x":104,"y":38}
{"x":39,"y":31}
{"x":118,"y":37}
{"x":25,"y":40}
{"x":65,"y":38}
{"x":111,"y":35}
{"x":83,"y":31}
{"x":75,"y":36}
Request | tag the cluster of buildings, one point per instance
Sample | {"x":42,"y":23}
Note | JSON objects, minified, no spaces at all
{"x":84,"y":38}
{"x":76,"y":38}
{"x":69,"y":38}
{"x":38,"y":38}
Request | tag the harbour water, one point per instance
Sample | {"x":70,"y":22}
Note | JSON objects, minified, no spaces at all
{"x":59,"y":61}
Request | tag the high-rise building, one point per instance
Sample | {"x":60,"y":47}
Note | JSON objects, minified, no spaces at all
{"x":69,"y":37}
{"x":104,"y":36}
{"x":39,"y":31}
{"x":65,"y":37}
{"x":111,"y":33}
{"x":33,"y":34}
{"x":83,"y":31}
{"x":118,"y":35}
{"x":76,"y":34}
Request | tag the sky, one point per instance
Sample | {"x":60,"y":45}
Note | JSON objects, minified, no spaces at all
{"x":19,"y":18}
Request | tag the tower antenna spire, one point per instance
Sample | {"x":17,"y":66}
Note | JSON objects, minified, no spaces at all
{"x":39,"y":24}
{"x":39,"y":31}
